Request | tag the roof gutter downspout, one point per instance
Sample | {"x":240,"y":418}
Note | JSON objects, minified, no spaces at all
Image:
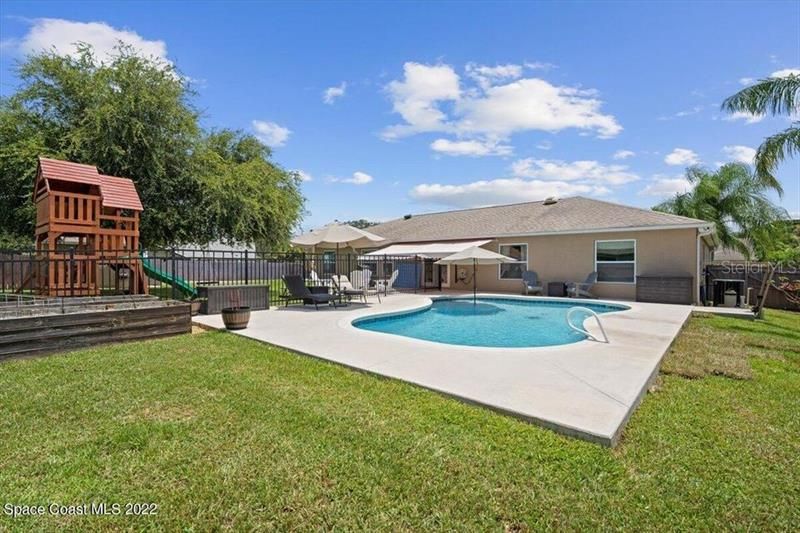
{"x":701,"y":232}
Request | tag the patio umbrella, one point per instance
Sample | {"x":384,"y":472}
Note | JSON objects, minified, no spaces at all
{"x":335,"y":235}
{"x":475,"y":256}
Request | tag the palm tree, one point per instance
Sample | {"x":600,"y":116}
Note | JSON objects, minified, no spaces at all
{"x":773,"y":96}
{"x":736,"y":202}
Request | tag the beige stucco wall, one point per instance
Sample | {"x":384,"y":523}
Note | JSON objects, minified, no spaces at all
{"x":571,"y":258}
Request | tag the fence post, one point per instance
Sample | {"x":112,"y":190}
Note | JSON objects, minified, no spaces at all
{"x":72,"y":271}
{"x":246,"y":266}
{"x":303,"y":263}
{"x":174,"y":273}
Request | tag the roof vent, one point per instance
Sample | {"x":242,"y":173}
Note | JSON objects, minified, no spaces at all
{"x":550,"y":200}
{"x":406,"y":217}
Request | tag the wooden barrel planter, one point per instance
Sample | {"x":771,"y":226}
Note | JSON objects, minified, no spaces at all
{"x":236,"y":317}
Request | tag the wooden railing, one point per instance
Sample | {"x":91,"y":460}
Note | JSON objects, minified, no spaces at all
{"x":73,"y":208}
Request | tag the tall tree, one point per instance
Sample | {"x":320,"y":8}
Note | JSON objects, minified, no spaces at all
{"x":737,"y":203}
{"x":361,"y":223}
{"x":777,"y":97}
{"x":133,"y":117}
{"x":248,"y":199}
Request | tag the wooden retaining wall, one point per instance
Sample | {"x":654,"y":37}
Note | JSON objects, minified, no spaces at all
{"x":40,"y":335}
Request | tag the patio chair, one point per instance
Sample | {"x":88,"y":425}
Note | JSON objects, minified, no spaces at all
{"x":360,"y":280}
{"x":582,"y":290}
{"x":298,"y":290}
{"x":343,"y":287}
{"x":387,"y":286}
{"x":530,"y":282}
{"x":317,"y":281}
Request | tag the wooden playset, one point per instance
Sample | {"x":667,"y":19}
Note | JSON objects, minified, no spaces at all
{"x":87,"y":232}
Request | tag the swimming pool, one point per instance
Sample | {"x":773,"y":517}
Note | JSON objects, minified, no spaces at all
{"x":491,"y":322}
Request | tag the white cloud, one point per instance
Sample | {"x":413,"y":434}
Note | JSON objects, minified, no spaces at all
{"x":544,"y":145}
{"x":685,"y":113}
{"x":533,"y":104}
{"x":331,"y":94}
{"x":682,"y":156}
{"x":786,"y":72}
{"x":739,"y":153}
{"x":358,"y":178}
{"x":62,"y":35}
{"x":416,"y":97}
{"x":487,"y":76}
{"x":746,"y":81}
{"x":499,"y":103}
{"x":270,"y":133}
{"x":472,"y":148}
{"x":623,"y":154}
{"x":743,"y":115}
{"x":665,"y":186}
{"x":498,"y":191}
{"x":589,"y":172}
{"x":539,"y":65}
{"x":304,"y":176}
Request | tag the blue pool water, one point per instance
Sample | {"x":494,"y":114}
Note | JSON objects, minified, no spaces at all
{"x":494,"y":322}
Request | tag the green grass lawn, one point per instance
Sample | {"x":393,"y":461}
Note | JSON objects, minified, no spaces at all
{"x":225,"y":432}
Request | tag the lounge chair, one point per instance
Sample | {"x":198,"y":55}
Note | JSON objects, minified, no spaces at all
{"x":530,"y":282}
{"x":387,"y":286}
{"x":581,"y":290}
{"x":298,"y":290}
{"x":345,"y":288}
{"x":360,"y":280}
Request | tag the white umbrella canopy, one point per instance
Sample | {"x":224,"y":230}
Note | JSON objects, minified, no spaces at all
{"x":475,"y":256}
{"x":338,"y":234}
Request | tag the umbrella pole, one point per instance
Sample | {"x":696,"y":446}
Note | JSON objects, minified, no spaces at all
{"x":474,"y":282}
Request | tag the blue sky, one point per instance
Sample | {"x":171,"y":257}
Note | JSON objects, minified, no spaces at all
{"x":394,"y":108}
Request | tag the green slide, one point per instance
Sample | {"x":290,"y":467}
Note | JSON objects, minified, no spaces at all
{"x":168,"y":278}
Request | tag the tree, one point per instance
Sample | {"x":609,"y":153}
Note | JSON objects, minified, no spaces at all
{"x":248,"y":198}
{"x":133,"y":117}
{"x":773,"y":96}
{"x":737,"y":203}
{"x":361,"y":223}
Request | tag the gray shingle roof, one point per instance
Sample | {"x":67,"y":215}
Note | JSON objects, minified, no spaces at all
{"x":571,"y":215}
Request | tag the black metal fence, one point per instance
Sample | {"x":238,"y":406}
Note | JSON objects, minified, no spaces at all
{"x":745,"y":279}
{"x":178,"y":272}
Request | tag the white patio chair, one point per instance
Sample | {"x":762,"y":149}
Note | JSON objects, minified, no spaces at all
{"x":582,"y":290}
{"x":530,"y":282}
{"x":360,"y":280}
{"x":317,"y":281}
{"x":345,"y":288}
{"x":387,"y":286}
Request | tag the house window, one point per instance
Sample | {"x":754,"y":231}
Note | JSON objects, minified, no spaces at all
{"x":328,"y":263}
{"x":615,"y":261}
{"x":514,"y":251}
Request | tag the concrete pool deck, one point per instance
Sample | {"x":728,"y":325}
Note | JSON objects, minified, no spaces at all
{"x":586,"y":389}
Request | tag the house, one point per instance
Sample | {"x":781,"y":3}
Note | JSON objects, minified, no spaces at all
{"x":660,"y":254}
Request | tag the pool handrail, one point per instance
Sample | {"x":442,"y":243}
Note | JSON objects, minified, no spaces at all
{"x":581,"y":329}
